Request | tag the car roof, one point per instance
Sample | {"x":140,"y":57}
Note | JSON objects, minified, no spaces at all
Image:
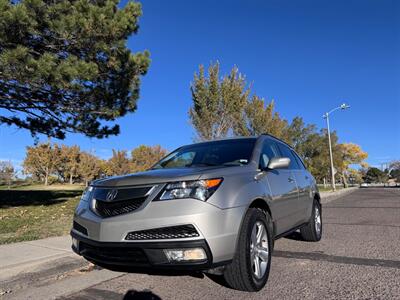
{"x":224,"y":139}
{"x":240,"y":138}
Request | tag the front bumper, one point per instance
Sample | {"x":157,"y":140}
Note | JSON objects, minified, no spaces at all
{"x":217,"y":228}
{"x":141,"y":257}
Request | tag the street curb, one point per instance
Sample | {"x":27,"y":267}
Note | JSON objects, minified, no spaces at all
{"x":38,"y":260}
{"x":18,"y":255}
{"x":330,"y":196}
{"x":58,"y":287}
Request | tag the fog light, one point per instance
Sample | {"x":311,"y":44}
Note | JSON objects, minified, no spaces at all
{"x":185,"y":254}
{"x":75,"y":243}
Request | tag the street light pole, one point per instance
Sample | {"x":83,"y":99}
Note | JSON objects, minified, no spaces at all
{"x":326,"y":116}
{"x":330,"y":153}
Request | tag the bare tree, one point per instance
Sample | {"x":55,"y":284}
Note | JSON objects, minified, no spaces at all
{"x":7,"y":172}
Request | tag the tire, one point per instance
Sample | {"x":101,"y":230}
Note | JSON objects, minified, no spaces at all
{"x":312,"y":232}
{"x":250,"y":267}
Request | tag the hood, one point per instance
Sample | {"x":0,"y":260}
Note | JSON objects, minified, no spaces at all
{"x":154,"y":177}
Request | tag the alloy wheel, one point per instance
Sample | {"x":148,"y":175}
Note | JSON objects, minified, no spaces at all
{"x":317,"y":221}
{"x":259,"y":251}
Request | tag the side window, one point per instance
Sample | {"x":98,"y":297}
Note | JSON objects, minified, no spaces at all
{"x":269,"y":150}
{"x":286,"y":152}
{"x":299,"y":161}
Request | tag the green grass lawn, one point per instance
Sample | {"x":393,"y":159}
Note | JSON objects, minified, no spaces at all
{"x":41,"y":187}
{"x":329,"y":188}
{"x":35,"y":212}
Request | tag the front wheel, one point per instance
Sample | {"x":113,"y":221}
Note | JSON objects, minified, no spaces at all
{"x":250,"y":267}
{"x":312,"y":232}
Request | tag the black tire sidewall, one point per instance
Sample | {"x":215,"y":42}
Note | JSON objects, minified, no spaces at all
{"x":317,"y":236}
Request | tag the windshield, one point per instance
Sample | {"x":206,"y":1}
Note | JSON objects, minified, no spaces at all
{"x":227,"y":152}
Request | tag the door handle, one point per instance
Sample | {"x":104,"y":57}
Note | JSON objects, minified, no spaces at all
{"x":290,"y":179}
{"x":258,"y":176}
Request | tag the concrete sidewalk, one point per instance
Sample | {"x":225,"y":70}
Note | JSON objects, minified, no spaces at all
{"x":21,"y":256}
{"x":46,"y":269}
{"x":330,"y":196}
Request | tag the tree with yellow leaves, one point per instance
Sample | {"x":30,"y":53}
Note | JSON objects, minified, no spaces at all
{"x":42,"y":160}
{"x":350,"y":154}
{"x":89,"y":167}
{"x":118,"y":164}
{"x":144,"y":157}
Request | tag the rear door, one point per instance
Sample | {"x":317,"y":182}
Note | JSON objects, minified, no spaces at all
{"x":282,"y":186}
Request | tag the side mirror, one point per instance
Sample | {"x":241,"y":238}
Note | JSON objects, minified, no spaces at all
{"x":278,"y":163}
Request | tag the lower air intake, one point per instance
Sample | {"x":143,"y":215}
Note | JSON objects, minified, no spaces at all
{"x":113,"y":255}
{"x":80,"y":228}
{"x":173,"y":232}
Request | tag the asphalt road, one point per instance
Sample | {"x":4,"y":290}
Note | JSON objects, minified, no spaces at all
{"x":358,"y":258}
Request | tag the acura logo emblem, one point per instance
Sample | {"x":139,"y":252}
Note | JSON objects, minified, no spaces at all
{"x":111,"y":195}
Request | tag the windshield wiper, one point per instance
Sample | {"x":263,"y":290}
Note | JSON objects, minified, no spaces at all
{"x":204,"y":164}
{"x":239,"y":162}
{"x":232,"y":164}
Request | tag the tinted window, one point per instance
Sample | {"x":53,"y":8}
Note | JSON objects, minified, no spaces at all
{"x":286,"y":152}
{"x":227,"y":152}
{"x":269,"y":150}
{"x":299,"y":161}
{"x":180,"y":160}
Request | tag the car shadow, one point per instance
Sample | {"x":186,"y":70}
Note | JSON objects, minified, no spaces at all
{"x":12,"y":198}
{"x":140,"y":295}
{"x":296,"y":236}
{"x":147,"y":271}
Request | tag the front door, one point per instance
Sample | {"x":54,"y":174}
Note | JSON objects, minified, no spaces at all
{"x":283,"y":189}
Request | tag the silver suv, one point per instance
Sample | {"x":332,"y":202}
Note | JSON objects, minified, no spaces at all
{"x":214,"y":207}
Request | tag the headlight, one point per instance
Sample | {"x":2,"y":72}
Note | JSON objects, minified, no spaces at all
{"x":86,"y":194}
{"x":197,"y":189}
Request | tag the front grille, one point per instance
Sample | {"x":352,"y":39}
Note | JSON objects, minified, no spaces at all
{"x":78,"y":227}
{"x":173,"y":232}
{"x":109,"y":202}
{"x":116,"y":255}
{"x":110,"y":209}
{"x":121,"y":193}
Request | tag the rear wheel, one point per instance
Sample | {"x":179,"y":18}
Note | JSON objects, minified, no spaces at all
{"x":313,"y":230}
{"x":250,"y":267}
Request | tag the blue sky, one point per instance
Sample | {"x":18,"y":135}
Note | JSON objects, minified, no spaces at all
{"x":309,"y":56}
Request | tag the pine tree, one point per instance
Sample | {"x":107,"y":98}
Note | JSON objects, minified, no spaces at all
{"x":65,"y":67}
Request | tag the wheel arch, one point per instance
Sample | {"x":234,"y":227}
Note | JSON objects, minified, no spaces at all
{"x":263,"y":205}
{"x":317,"y":197}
